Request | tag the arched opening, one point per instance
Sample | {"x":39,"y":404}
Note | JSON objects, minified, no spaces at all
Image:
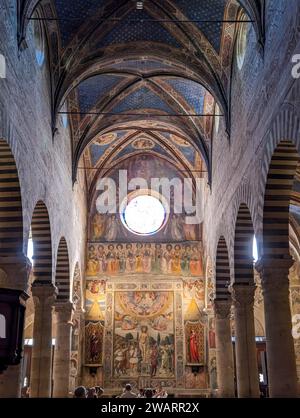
{"x":42,"y":245}
{"x":278,"y":195}
{"x":243,"y":296}
{"x":222,"y":310}
{"x":62,"y":278}
{"x":14,"y":272}
{"x":44,"y":294}
{"x":281,"y":185}
{"x":11,"y":215}
{"x":222,"y":271}
{"x":243,"y":247}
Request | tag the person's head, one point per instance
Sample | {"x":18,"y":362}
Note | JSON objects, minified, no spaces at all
{"x":92,"y":393}
{"x":142,"y":392}
{"x":128,"y":387}
{"x":148,"y":393}
{"x":99,"y":391}
{"x":80,"y":392}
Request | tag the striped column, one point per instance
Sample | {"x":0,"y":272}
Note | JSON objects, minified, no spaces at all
{"x":224,"y":352}
{"x":62,"y":355}
{"x":44,"y":295}
{"x":245,"y":346}
{"x":281,"y":361}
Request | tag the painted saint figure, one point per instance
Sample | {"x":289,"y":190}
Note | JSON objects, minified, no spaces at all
{"x":98,"y":226}
{"x":111,"y":229}
{"x":193,"y":348}
{"x":154,"y":360}
{"x":143,"y":340}
{"x":94,"y":351}
{"x":176,"y":228}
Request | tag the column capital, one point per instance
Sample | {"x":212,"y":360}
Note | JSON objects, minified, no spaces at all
{"x":266,"y":263}
{"x":14,"y":272}
{"x":43,"y":293}
{"x":242,"y":295}
{"x":64,"y":311}
{"x":274,"y":273}
{"x":222,"y":308}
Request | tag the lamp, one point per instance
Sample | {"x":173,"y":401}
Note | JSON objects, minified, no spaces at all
{"x":12,"y":315}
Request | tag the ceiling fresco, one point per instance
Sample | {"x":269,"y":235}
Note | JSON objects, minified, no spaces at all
{"x":131,"y":30}
{"x":158,"y":70}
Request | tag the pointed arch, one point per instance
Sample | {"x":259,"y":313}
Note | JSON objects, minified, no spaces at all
{"x":243,"y":247}
{"x":42,"y":244}
{"x":11,"y":214}
{"x":222,"y":271}
{"x":62,"y":278}
{"x":278,"y":195}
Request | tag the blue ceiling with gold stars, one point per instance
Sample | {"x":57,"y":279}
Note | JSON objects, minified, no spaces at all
{"x":131,"y":30}
{"x":94,"y":89}
{"x":192,"y":92}
{"x":143,"y":98}
{"x":210,"y":11}
{"x":73,"y":13}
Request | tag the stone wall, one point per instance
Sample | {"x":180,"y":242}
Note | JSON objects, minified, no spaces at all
{"x":263,"y":112}
{"x":43,"y":161}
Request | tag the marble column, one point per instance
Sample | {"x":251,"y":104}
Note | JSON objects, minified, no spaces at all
{"x":281,"y":362}
{"x":245,"y":345}
{"x":61,"y":366}
{"x":14,"y":274}
{"x":44,"y":295}
{"x":224,"y":351}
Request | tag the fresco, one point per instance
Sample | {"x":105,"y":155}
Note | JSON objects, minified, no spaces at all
{"x":137,"y":258}
{"x":95,"y":300}
{"x":195,"y":380}
{"x":212,"y":333}
{"x":93,"y":343}
{"x":144,"y":334}
{"x":194,"y":339}
{"x":109,"y":227}
{"x":194,"y":289}
{"x":76,"y":330}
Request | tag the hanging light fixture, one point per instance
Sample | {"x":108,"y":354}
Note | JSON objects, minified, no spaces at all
{"x":140,"y":5}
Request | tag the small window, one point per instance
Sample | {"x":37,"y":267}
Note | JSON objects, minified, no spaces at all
{"x":39,"y":39}
{"x":64,"y":116}
{"x":217,"y":119}
{"x":242,"y":38}
{"x":30,"y":247}
{"x":255,"y":250}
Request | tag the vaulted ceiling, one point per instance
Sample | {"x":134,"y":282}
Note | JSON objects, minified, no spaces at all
{"x":136,"y":81}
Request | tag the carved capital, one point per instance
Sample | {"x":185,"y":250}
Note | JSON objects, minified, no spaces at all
{"x":222,"y":309}
{"x":275,"y":274}
{"x":64,"y":312}
{"x":243,"y":295}
{"x":14,"y":272}
{"x":44,"y":293}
